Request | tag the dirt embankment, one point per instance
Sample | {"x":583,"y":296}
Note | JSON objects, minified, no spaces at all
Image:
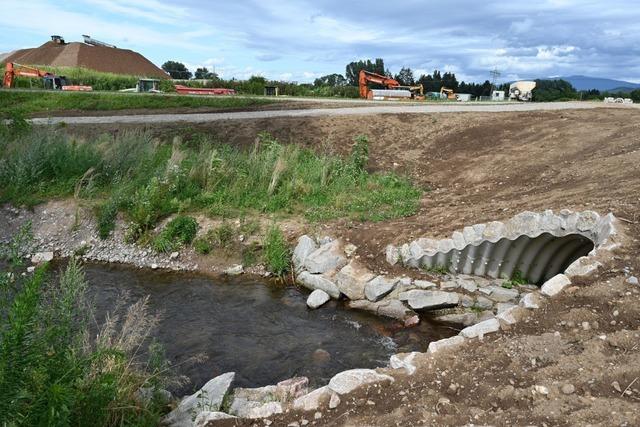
{"x":574,"y":362}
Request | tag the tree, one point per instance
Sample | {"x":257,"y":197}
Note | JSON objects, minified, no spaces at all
{"x":353,"y":69}
{"x":332,"y":80}
{"x":177,"y":70}
{"x":635,"y":95}
{"x":204,"y":74}
{"x":405,"y":77}
{"x":554,"y":90}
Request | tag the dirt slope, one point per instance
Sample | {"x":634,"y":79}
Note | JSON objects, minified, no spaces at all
{"x":583,"y":347}
{"x":483,"y":167}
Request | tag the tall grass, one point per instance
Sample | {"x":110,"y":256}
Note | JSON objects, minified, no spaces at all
{"x":148,"y":180}
{"x":55,"y":372}
{"x":28,"y":102}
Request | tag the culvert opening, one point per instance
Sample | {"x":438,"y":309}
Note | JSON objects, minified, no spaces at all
{"x":535,"y":259}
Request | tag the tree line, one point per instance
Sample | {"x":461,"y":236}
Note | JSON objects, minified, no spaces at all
{"x":346,"y":85}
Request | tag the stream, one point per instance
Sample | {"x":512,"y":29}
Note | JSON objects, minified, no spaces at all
{"x":262,"y":331}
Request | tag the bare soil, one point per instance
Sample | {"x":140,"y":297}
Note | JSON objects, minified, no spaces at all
{"x":481,"y":167}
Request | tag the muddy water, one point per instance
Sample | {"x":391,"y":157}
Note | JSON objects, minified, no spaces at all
{"x":263,"y":332}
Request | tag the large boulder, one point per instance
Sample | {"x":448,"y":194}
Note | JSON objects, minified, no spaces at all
{"x":378,"y":287}
{"x":317,"y":298}
{"x":254,"y":402}
{"x":210,"y":396}
{"x":306,"y":245}
{"x":313,"y":400}
{"x":388,"y":307}
{"x":326,"y":258}
{"x":41,"y":257}
{"x":500,"y":294}
{"x":481,"y":329}
{"x":420,"y":299}
{"x":351,"y":280}
{"x":555,"y":285}
{"x":348,"y":381}
{"x":445,"y":343}
{"x":317,"y":281}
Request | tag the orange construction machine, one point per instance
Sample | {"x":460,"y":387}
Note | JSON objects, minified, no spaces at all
{"x":50,"y":80}
{"x":393,"y":89}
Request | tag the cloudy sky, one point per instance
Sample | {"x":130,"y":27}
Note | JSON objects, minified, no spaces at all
{"x":300,"y":40}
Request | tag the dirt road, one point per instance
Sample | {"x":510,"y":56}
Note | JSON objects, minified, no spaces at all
{"x":383,"y":108}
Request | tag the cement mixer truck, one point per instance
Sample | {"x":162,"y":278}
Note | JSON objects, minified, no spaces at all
{"x":522,"y":90}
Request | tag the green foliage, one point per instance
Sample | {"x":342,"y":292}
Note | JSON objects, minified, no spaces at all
{"x":352,"y":71}
{"x":106,"y":218}
{"x":27,"y":102}
{"x":202,"y":245}
{"x":276,"y":253}
{"x":177,"y":70}
{"x":147,"y":181}
{"x":517,"y":279}
{"x":180,"y":231}
{"x":437,"y":269}
{"x":53,"y":374}
{"x":554,"y":90}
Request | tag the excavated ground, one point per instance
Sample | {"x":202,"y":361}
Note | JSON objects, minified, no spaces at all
{"x":481,"y":167}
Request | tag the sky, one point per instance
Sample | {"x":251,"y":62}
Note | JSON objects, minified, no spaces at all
{"x":302,"y":40}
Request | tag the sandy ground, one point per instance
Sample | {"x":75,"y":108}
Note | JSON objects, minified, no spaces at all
{"x":583,"y":347}
{"x":159,"y":116}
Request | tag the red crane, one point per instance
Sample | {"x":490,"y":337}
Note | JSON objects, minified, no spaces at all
{"x":366,"y":77}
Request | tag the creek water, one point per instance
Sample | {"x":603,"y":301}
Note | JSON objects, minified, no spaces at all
{"x":264,"y":332}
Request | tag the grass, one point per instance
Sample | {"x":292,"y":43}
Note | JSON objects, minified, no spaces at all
{"x":55,"y":370}
{"x":276,"y":253}
{"x":517,"y":279}
{"x":146,"y":180}
{"x":437,"y":269}
{"x":28,"y":102}
{"x":180,"y":231}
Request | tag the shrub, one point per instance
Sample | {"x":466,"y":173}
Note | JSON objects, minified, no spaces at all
{"x":277,"y":255}
{"x":53,"y":373}
{"x":106,"y":218}
{"x":180,"y":231}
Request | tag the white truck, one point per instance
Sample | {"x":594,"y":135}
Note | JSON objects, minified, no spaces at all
{"x":522,"y":90}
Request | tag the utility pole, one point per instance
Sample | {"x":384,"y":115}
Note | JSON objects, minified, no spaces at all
{"x":494,"y":77}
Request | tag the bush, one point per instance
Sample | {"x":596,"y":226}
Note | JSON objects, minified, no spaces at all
{"x":52,"y":373}
{"x":179,"y":231}
{"x":106,"y":218}
{"x":277,"y":256}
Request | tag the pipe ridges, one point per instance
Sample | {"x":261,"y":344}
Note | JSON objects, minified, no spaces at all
{"x":540,"y":245}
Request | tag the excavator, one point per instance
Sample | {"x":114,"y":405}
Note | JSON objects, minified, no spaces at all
{"x":446,"y":93}
{"x":50,"y":80}
{"x":394,"y":90}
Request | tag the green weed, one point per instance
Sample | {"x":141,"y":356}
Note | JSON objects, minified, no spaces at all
{"x":437,"y":269}
{"x":517,"y":279}
{"x":276,"y":253}
{"x":180,"y":231}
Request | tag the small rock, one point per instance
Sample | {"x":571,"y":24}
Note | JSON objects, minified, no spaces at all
{"x":481,"y":329}
{"x":154,"y":266}
{"x":317,"y":298}
{"x":31,"y":269}
{"x":567,"y":389}
{"x":312,"y":400}
{"x":633,"y":280}
{"x":616,"y":386}
{"x":334,"y":401}
{"x":540,"y":389}
{"x":41,"y":257}
{"x":348,"y":381}
{"x":586,"y":326}
{"x":235,"y":270}
{"x":205,"y":417}
{"x":317,"y":415}
{"x":321,"y":356}
{"x":349,"y":249}
{"x":555,"y":285}
{"x":174,"y":255}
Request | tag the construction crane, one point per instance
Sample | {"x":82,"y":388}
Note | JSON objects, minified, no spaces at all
{"x":50,"y":80}
{"x":393,"y":89}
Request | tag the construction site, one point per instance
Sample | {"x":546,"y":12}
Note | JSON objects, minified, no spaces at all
{"x":408,"y":257}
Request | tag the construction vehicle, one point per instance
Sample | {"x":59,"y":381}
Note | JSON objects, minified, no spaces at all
{"x":50,"y":80}
{"x":522,"y":90}
{"x":393,"y":89}
{"x":185,"y":90}
{"x":145,"y":86}
{"x":446,"y":93}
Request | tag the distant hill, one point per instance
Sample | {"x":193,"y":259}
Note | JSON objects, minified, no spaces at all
{"x":601,"y":84}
